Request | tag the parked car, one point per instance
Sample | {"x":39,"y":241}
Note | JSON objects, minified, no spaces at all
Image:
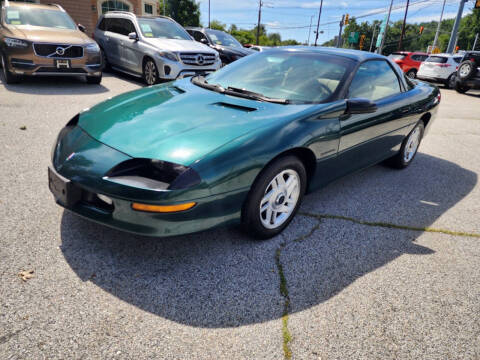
{"x":468,"y":74}
{"x":227,"y":46}
{"x":409,"y":62}
{"x":440,"y":68}
{"x":155,"y":48}
{"x":242,"y":145}
{"x":43,"y":40}
{"x":259,"y":48}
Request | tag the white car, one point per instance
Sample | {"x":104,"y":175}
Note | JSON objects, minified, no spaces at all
{"x":440,"y":68}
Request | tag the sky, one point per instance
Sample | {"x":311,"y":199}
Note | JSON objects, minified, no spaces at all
{"x":291,"y":18}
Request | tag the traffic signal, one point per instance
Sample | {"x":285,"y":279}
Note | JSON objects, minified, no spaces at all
{"x":457,"y":48}
{"x":362,"y":39}
{"x":477,"y":4}
{"x":421,"y":29}
{"x":346,"y":19}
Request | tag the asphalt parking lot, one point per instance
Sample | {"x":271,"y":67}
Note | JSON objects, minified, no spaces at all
{"x":383,"y":264}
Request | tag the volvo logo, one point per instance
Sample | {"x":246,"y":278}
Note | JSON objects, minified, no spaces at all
{"x":60,"y":51}
{"x":200,"y":60}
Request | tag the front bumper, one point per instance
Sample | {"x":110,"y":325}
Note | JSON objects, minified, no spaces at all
{"x":172,"y":70}
{"x":209,"y":212}
{"x":24,"y":62}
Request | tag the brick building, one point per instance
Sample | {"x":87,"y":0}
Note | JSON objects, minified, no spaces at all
{"x":87,"y":12}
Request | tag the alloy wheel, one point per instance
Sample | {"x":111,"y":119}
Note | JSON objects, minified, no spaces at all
{"x":280,"y":199}
{"x":150,"y":73}
{"x":412,"y":145}
{"x":464,"y":70}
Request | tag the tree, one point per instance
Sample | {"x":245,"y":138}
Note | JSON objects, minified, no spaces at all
{"x":217,"y":25}
{"x":185,"y":12}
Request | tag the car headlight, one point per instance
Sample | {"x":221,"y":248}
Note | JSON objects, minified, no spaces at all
{"x":153,"y":175}
{"x":92,"y":48}
{"x":16,"y":43}
{"x":168,"y":55}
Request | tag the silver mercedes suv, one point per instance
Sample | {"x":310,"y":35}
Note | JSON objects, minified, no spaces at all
{"x":155,"y":48}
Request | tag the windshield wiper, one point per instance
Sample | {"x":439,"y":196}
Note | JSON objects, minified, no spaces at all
{"x":201,"y":81}
{"x":253,"y":95}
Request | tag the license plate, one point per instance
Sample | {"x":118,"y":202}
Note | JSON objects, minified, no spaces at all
{"x":62,"y":64}
{"x":62,"y":189}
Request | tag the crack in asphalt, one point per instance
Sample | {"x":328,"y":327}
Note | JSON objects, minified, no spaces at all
{"x":287,"y":336}
{"x":389,"y":225}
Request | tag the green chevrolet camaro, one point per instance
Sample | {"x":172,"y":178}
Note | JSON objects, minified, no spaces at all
{"x":242,"y":145}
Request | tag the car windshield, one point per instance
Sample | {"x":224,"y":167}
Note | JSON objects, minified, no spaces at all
{"x":396,"y":56}
{"x":162,"y":28}
{"x":299,"y":77}
{"x":20,"y":15}
{"x":221,"y":38}
{"x":437,"y":59}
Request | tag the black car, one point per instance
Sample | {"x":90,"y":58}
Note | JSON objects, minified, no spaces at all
{"x":227,"y":46}
{"x":468,"y":72}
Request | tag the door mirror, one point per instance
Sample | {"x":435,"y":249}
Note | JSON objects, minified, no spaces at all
{"x":133,"y":36}
{"x":360,"y":106}
{"x":81,"y":28}
{"x":204,"y":41}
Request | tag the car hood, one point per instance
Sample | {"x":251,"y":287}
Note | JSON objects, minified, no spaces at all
{"x":178,"y":122}
{"x":179,"y":45}
{"x":49,"y":35}
{"x":234,"y":50}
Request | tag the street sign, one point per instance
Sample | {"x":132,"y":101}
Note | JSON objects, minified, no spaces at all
{"x":382,"y":31}
{"x":353,"y":38}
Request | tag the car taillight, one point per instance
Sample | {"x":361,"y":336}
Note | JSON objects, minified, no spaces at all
{"x":456,"y":68}
{"x":443,"y":65}
{"x":437,"y":99}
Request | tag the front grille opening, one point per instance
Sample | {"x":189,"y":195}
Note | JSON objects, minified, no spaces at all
{"x":61,"y":70}
{"x":92,"y":199}
{"x":62,"y":51}
{"x":197,"y":59}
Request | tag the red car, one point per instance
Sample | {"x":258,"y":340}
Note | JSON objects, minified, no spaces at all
{"x":409,"y":62}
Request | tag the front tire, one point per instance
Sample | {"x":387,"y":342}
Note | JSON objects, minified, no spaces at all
{"x":408,"y":149}
{"x":150,"y":72}
{"x":462,"y":89}
{"x":94,"y":80}
{"x":7,"y":75}
{"x":274,"y":198}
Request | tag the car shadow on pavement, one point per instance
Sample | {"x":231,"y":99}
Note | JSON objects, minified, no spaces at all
{"x":221,"y":278}
{"x":54,"y":85}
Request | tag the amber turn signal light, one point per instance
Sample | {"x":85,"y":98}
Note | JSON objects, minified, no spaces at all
{"x":163,"y":208}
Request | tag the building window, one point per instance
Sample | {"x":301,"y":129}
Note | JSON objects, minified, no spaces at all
{"x":149,"y":9}
{"x":114,"y":5}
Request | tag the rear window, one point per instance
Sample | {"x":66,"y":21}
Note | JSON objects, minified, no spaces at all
{"x":437,"y":59}
{"x":396,"y":56}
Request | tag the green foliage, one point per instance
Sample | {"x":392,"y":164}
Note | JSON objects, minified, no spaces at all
{"x":185,"y":12}
{"x":413,"y":41}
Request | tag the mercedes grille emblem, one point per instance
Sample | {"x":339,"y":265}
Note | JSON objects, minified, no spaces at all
{"x":200,"y":60}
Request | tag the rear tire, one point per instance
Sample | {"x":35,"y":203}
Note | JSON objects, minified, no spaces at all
{"x":7,"y":75}
{"x":150,"y":72}
{"x":412,"y":73}
{"x":274,"y":198}
{"x":409,"y":148}
{"x":466,"y":70}
{"x":451,"y":81}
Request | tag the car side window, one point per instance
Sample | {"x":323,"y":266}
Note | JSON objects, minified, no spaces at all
{"x":102,"y":26}
{"x":374,"y":80}
{"x":121,"y":26}
{"x":198,"y":36}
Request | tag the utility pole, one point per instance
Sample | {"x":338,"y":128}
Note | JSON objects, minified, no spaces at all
{"x":318,"y":22}
{"x":310,"y":29}
{"x":438,"y":27}
{"x":164,"y":12}
{"x":339,"y":39}
{"x":373,"y":36}
{"x":453,"y":36}
{"x":475,"y":42}
{"x":403,"y":27}
{"x":386,"y":28}
{"x":209,"y":14}
{"x":259,"y":19}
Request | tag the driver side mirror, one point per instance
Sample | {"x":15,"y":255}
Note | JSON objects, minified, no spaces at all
{"x":133,"y":36}
{"x":204,"y":41}
{"x":81,"y":28}
{"x":360,"y":106}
